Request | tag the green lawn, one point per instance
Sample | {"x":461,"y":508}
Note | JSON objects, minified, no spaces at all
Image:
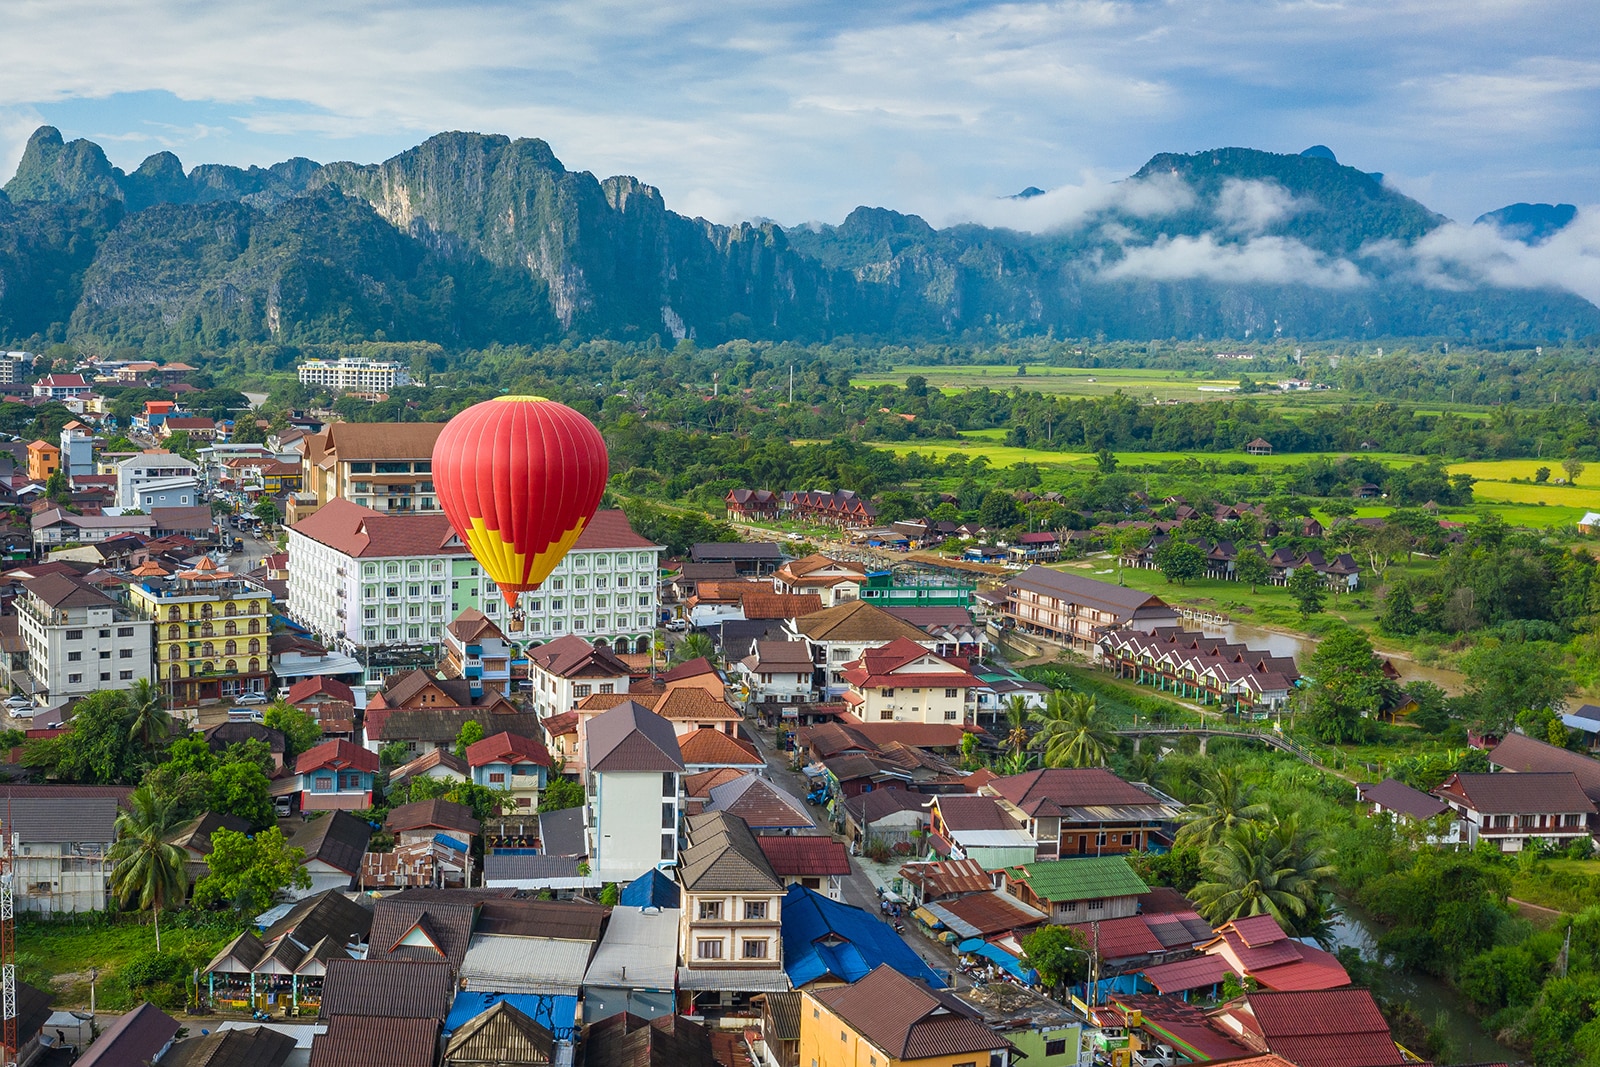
{"x":62,"y":953}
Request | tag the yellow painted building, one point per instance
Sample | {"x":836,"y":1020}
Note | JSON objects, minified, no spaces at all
{"x":211,"y":631}
{"x":886,"y":1020}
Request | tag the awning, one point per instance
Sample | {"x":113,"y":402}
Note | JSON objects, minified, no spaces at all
{"x":733,"y":981}
{"x":943,"y":916}
{"x":1006,"y":961}
{"x":927,"y":917}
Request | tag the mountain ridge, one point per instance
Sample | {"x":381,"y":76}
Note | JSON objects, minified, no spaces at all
{"x":491,"y":238}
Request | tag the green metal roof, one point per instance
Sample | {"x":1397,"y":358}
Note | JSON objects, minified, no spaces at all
{"x":1089,"y":878}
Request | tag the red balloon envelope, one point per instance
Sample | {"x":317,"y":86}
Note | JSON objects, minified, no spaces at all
{"x":519,"y":477}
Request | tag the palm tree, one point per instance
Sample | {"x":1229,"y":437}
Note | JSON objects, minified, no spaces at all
{"x":1073,"y":731}
{"x":1265,"y":868}
{"x":151,"y":725}
{"x":147,"y":870}
{"x":1225,"y":802}
{"x":695,"y":646}
{"x":1015,"y":710}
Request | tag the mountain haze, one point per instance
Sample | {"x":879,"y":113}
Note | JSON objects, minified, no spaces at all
{"x":469,"y":239}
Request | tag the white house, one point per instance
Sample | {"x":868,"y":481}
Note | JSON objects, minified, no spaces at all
{"x":150,"y":467}
{"x":835,"y":581}
{"x":634,"y":775}
{"x":904,"y":682}
{"x":63,"y":837}
{"x":77,"y":449}
{"x":1512,"y":810}
{"x":778,"y":672}
{"x":79,"y":640}
{"x":167,"y":493}
{"x":568,"y":669}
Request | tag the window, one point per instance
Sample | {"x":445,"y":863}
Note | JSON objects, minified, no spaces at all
{"x":74,"y":635}
{"x":581,"y":691}
{"x":608,"y":687}
{"x":125,"y":675}
{"x":811,"y":883}
{"x":497,"y":777}
{"x":324,"y":782}
{"x":710,"y":909}
{"x":1097,"y":905}
{"x":669,"y":785}
{"x":1058,"y":1047}
{"x":950,"y":714}
{"x":889,"y":692}
{"x":709,"y":950}
{"x":124,"y":631}
{"x":669,"y":846}
{"x":755,"y":909}
{"x":669,"y":816}
{"x":74,"y":678}
{"x":1127,"y":839}
{"x":950,"y":694}
{"x":755,"y":950}
{"x":126,"y":653}
{"x":556,"y":604}
{"x":74,"y":657}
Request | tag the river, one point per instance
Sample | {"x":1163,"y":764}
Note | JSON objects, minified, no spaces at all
{"x":1281,"y":643}
{"x":1434,"y":1000}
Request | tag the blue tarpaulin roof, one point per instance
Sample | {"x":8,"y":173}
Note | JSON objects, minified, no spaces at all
{"x":976,"y":946}
{"x":555,"y":1013}
{"x":823,"y":937}
{"x":651,"y":889}
{"x":450,"y":842}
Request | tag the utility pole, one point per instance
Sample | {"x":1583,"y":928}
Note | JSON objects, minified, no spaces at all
{"x":8,"y":944}
{"x":791,"y":383}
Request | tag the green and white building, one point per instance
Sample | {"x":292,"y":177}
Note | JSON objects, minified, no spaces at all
{"x":359,"y":578}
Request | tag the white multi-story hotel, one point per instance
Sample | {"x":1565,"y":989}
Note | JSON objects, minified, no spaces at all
{"x":358,"y":577}
{"x":360,"y":375}
{"x":79,"y":640}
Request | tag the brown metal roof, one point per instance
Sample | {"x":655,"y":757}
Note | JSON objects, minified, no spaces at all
{"x":805,"y":856}
{"x":337,"y":838}
{"x":1397,"y":796}
{"x":565,"y":920}
{"x":631,"y":737}
{"x":964,"y":812}
{"x":435,"y":814}
{"x":359,"y":1041}
{"x":856,"y":622}
{"x":388,"y":989}
{"x":444,"y":928}
{"x":1048,"y":791}
{"x":1521,"y":753}
{"x":137,"y":1037}
{"x":723,"y":855}
{"x":906,"y":1019}
{"x":626,"y":1040}
{"x":947,"y":878}
{"x":254,"y":1047}
{"x":1533,"y":793}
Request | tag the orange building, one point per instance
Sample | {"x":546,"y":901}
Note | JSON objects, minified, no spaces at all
{"x":44,"y":459}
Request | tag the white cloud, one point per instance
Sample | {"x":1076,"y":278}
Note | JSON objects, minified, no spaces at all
{"x":1261,"y":260}
{"x":1458,"y":257}
{"x":1067,"y":207}
{"x":1252,"y":206}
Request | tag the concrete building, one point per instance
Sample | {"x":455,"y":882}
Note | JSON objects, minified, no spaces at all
{"x":475,"y":649}
{"x":166,"y":493}
{"x":360,"y":375}
{"x":570,"y":669}
{"x":150,"y":467}
{"x":778,"y":672}
{"x":44,"y":459}
{"x":211,"y":631}
{"x":904,"y":682}
{"x":14,"y":367}
{"x":63,"y":835}
{"x":60,"y":387}
{"x":1076,"y":610}
{"x":888,"y":1019}
{"x":841,"y":634}
{"x":386,"y":466}
{"x":79,"y":640}
{"x":77,"y":449}
{"x":634,"y":770}
{"x":731,"y":926}
{"x":365,"y":578}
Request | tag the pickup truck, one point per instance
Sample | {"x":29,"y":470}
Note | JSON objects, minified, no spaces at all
{"x":1156,"y":1056}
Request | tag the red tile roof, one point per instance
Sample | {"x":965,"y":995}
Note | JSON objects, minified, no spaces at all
{"x":886,"y":666}
{"x":610,"y":529}
{"x":709,"y":745}
{"x":353,"y":530}
{"x":570,"y":656}
{"x":1331,"y":1028}
{"x":1121,"y":939}
{"x":1049,"y":791}
{"x":331,"y":688}
{"x":338,"y":754}
{"x":805,"y":857}
{"x":505,"y":747}
{"x":691,"y":668}
{"x":1197,"y":973}
{"x":688,"y":702}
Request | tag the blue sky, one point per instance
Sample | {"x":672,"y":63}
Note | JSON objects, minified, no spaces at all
{"x":799,"y":112}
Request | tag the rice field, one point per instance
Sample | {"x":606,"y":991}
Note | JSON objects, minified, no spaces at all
{"x":1073,"y":381}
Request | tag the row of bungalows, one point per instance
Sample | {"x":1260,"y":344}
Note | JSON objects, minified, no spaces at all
{"x":1340,"y":574}
{"x":841,"y":507}
{"x":1211,"y":670}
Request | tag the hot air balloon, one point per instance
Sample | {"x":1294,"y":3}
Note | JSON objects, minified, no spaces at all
{"x":519,"y":478}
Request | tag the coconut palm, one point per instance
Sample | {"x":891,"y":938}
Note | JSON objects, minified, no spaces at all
{"x":1073,"y":732}
{"x":1272,"y":868}
{"x":1015,"y":709}
{"x":147,"y":871}
{"x":1225,"y":802}
{"x":696,"y":645}
{"x":1014,"y":763}
{"x":149,"y":724}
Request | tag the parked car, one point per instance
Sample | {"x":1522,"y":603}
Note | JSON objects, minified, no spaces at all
{"x":677,"y":626}
{"x":17,"y":700}
{"x":250,"y":698}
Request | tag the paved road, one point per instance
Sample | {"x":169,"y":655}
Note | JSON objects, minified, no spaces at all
{"x":858,"y":887}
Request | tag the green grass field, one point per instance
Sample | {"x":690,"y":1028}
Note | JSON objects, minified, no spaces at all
{"x":1074,"y":381}
{"x":989,"y":443}
{"x":60,"y":954}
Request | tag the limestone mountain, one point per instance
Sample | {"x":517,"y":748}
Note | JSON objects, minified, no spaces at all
{"x":470,"y":239}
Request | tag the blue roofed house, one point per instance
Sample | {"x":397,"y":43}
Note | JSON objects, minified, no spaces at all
{"x":828,"y":943}
{"x":1586,"y":720}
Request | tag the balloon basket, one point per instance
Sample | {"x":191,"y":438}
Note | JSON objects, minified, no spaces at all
{"x":516,"y":622}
